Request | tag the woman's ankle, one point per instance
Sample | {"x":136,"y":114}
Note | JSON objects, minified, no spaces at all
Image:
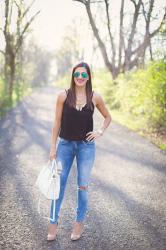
{"x":53,"y":223}
{"x":52,"y":228}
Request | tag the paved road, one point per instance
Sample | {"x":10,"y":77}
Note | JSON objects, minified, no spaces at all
{"x":127,"y":202}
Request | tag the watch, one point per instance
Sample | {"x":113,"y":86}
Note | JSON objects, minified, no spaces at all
{"x":100,"y":131}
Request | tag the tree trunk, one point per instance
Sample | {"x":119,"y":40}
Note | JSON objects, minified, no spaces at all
{"x":12,"y":75}
{"x":100,"y":42}
{"x":121,"y":37}
{"x":9,"y":72}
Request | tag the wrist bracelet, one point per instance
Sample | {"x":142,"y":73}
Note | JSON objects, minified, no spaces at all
{"x":100,"y":132}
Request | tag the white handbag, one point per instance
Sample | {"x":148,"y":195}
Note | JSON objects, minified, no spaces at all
{"x":48,"y":183}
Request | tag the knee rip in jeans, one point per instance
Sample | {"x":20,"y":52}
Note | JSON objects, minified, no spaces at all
{"x":82,"y":188}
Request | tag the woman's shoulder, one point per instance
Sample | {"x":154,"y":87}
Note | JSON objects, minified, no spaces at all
{"x":96,"y":97}
{"x":62,"y":94}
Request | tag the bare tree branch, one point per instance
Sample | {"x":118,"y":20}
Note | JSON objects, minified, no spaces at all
{"x":11,"y":10}
{"x":132,"y":33}
{"x":6,"y":27}
{"x":27,"y":9}
{"x":16,"y":3}
{"x":110,"y":34}
{"x":150,"y":51}
{"x":81,"y":1}
{"x":1,"y":51}
{"x":159,"y":27}
{"x":97,"y":1}
{"x":144,"y":12}
{"x":100,"y":42}
{"x":150,"y":11}
{"x":146,"y":41}
{"x":135,"y":5}
{"x":121,"y":37}
{"x":147,"y":21}
{"x":89,"y":1}
{"x":19,"y":42}
{"x":133,"y":27}
{"x":133,"y":63}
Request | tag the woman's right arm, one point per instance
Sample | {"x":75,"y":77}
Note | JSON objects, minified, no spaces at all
{"x":57,"y":123}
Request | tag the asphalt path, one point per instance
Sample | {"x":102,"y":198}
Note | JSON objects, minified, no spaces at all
{"x":127,"y":192}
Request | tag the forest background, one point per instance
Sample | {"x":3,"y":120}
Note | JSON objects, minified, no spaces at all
{"x":124,"y":42}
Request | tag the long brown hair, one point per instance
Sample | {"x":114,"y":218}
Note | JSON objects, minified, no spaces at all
{"x":71,"y":98}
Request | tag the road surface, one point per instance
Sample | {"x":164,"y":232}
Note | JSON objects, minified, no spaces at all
{"x":127,"y":202}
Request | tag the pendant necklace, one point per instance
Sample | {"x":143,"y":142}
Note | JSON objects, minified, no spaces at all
{"x":80,"y":104}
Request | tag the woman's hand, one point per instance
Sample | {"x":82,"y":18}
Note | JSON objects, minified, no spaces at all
{"x":91,"y":136}
{"x":52,"y":154}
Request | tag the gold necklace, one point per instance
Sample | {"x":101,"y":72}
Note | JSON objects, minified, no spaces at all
{"x":80,"y":102}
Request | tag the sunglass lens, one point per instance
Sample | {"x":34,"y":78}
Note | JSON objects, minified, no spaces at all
{"x":76,"y":74}
{"x":84,"y":75}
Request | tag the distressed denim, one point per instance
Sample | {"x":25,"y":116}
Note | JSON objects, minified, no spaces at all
{"x":84,"y":151}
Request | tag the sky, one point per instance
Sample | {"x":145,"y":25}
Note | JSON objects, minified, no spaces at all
{"x":48,"y":27}
{"x":55,"y":15}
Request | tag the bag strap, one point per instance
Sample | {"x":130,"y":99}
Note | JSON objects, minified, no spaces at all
{"x":46,"y":217}
{"x":53,"y":168}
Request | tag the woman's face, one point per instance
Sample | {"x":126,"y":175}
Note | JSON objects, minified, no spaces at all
{"x":80,"y":76}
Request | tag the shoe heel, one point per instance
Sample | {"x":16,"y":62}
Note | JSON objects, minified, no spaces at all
{"x":51,"y":237}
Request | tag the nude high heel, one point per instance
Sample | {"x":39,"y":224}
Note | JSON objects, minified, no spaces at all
{"x":51,"y":236}
{"x":77,"y":231}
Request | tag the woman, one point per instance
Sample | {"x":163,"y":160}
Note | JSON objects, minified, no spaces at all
{"x":74,"y":126}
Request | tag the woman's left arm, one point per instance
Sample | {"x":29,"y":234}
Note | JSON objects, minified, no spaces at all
{"x":100,"y":105}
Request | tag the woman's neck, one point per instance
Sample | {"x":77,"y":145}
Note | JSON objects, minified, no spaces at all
{"x":80,"y":91}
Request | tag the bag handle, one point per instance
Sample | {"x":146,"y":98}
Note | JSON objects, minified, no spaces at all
{"x":53,"y":165}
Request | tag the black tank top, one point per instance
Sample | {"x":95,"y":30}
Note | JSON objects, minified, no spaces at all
{"x":75,"y":124}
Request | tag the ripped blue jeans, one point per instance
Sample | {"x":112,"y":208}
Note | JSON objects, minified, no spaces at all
{"x":84,"y":151}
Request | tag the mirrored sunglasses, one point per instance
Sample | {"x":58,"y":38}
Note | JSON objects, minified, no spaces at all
{"x":83,"y":74}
